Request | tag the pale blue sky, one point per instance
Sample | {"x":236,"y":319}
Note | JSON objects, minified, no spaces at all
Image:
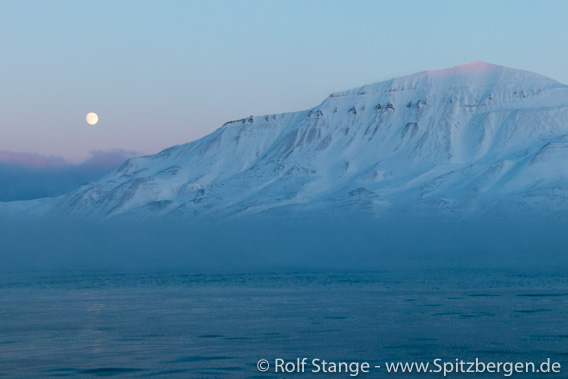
{"x":160,"y":73}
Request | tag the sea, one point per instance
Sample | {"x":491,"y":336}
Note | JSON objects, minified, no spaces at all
{"x":87,"y":323}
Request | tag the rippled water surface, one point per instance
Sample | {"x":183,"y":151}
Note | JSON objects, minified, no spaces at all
{"x":88,"y":324}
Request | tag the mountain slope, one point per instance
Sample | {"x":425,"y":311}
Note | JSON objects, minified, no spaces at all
{"x":465,"y":139}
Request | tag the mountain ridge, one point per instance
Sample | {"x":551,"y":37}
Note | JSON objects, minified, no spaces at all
{"x":460,"y":140}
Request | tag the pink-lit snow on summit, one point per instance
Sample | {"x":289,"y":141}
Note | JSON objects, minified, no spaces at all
{"x":473,"y":74}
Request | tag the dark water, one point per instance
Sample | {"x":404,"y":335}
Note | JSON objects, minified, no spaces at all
{"x":168,"y":324}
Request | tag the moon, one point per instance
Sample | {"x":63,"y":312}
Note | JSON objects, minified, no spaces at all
{"x":92,"y":118}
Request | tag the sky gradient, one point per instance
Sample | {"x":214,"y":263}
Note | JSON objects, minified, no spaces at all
{"x":165,"y":73}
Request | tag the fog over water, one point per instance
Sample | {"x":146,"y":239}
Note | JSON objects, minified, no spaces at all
{"x":180,"y":298}
{"x":346,"y":242}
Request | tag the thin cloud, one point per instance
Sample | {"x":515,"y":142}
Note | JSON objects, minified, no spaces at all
{"x":30,"y":159}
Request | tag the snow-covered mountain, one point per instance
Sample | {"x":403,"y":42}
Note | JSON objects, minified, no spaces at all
{"x":466,"y":139}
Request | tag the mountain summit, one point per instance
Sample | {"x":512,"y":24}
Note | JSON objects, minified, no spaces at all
{"x":464,"y":140}
{"x":474,"y":74}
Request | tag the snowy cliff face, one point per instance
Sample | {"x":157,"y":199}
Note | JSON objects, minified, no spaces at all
{"x":462,"y":140}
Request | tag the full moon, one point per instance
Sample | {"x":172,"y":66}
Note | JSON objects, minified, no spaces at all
{"x":92,"y":118}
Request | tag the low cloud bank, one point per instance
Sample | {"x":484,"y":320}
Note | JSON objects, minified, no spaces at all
{"x":25,"y":176}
